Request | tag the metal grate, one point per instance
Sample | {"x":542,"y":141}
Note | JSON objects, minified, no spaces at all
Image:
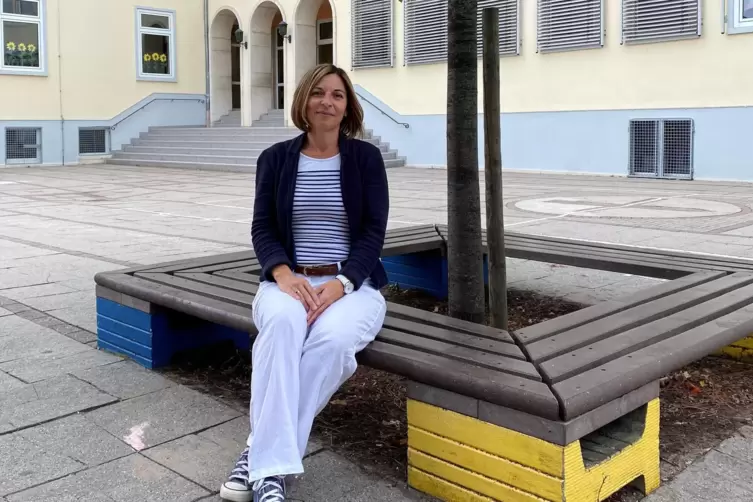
{"x":92,"y":141}
{"x":570,"y":24}
{"x":661,"y":148}
{"x":660,"y":20}
{"x":371,"y":31}
{"x":22,"y":146}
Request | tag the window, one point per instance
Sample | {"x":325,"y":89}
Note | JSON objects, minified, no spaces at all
{"x":22,"y":36}
{"x":371,"y":25}
{"x":659,"y":20}
{"x":155,"y":44}
{"x":22,"y":146}
{"x":740,"y":16}
{"x":570,"y":25}
{"x":324,"y":37}
{"x":426,"y":29}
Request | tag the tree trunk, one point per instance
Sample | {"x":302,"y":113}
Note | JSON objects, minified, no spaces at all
{"x":495,"y":228}
{"x":464,"y":252}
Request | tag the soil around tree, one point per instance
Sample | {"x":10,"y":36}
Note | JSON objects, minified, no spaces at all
{"x":365,"y":421}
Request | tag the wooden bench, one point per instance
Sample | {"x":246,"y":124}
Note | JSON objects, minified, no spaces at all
{"x":565,"y":410}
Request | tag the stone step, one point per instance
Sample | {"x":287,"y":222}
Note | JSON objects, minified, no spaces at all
{"x":236,"y":168}
{"x":214,"y":151}
{"x":258,"y":138}
{"x":225,"y":131}
{"x":179,"y":157}
{"x":220,"y":143}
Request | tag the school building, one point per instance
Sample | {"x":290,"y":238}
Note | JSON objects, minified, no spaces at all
{"x":650,"y":88}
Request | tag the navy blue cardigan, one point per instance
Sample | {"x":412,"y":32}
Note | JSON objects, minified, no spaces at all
{"x":363,"y":180}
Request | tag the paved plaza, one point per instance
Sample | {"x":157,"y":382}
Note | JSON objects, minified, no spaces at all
{"x":77,"y":423}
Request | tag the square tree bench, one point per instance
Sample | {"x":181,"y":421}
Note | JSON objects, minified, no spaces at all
{"x":565,"y":410}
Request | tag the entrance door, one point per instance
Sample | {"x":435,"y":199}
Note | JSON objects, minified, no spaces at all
{"x":324,"y":36}
{"x":235,"y":70}
{"x":279,"y":57}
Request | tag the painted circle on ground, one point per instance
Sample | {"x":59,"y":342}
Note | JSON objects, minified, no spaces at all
{"x":622,"y":206}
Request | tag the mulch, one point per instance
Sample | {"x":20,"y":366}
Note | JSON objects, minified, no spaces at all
{"x":701,"y":405}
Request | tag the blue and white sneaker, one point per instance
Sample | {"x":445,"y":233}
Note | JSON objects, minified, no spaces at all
{"x":237,"y":488}
{"x":271,"y":489}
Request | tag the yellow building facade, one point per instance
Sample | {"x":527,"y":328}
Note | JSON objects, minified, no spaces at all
{"x":598,"y":86}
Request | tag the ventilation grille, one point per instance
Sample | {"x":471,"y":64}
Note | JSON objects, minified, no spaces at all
{"x":570,"y":24}
{"x":22,"y":146}
{"x":92,"y":141}
{"x":371,"y":25}
{"x":659,"y":20}
{"x":661,"y":148}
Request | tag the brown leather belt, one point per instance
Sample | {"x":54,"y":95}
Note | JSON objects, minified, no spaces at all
{"x":317,"y":270}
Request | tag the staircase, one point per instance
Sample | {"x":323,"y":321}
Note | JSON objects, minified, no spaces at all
{"x":224,"y":147}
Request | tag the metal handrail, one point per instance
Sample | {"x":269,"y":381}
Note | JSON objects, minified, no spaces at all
{"x":112,"y":127}
{"x":404,"y":124}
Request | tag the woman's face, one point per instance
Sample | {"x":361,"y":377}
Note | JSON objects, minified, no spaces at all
{"x":327,"y":104}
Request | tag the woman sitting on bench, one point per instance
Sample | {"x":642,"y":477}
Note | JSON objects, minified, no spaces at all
{"x":320,"y":216}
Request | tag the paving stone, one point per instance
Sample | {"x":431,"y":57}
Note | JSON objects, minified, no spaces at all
{"x":22,"y":339}
{"x":36,"y":403}
{"x":739,"y":447}
{"x":162,"y":416}
{"x":83,"y":336}
{"x":124,"y":380}
{"x":4,"y":312}
{"x":36,"y":291}
{"x":714,"y":478}
{"x":41,"y":367}
{"x":84,"y":317}
{"x":78,"y":439}
{"x":79,"y":299}
{"x":24,"y":464}
{"x":9,"y":383}
{"x":129,"y":479}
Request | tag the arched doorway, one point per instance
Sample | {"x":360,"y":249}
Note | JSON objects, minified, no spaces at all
{"x":225,"y":64}
{"x":315,"y":33}
{"x":267,"y":60}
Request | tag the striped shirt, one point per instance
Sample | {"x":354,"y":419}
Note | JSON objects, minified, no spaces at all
{"x":320,"y":224}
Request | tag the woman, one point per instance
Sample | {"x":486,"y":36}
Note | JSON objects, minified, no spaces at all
{"x":320,"y":217}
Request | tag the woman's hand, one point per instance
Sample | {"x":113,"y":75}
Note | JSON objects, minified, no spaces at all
{"x":297,"y":287}
{"x":328,"y":293}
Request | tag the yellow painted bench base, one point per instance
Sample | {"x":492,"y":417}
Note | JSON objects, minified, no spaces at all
{"x":741,"y":350}
{"x":457,"y":458}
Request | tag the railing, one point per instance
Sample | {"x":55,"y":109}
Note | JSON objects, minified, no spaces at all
{"x":112,"y":127}
{"x":404,"y":124}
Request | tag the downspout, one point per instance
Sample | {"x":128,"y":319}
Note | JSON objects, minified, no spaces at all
{"x":208,"y":118}
{"x":60,"y":87}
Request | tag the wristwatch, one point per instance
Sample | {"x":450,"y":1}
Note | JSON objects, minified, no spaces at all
{"x":347,"y":285}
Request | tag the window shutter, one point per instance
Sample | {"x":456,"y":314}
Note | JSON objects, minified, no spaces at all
{"x":658,"y":20}
{"x":509,"y":38}
{"x":371,"y":22}
{"x":569,"y":24}
{"x":425,"y":31}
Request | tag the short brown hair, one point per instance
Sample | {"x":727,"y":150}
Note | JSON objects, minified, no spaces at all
{"x":351,"y":125}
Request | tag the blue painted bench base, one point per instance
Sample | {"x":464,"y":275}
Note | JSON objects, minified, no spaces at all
{"x":151,"y":339}
{"x":426,"y":271}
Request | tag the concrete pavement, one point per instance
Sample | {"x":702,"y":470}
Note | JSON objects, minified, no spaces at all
{"x":81,"y":424}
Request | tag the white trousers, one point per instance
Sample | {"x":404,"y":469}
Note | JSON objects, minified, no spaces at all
{"x":297,"y":368}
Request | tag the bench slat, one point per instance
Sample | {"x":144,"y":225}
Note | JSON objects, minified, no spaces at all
{"x":179,"y":300}
{"x":220,"y":282}
{"x":596,"y":354}
{"x":238,"y":276}
{"x":418,"y":315}
{"x":417,"y":246}
{"x":459,"y":353}
{"x":500,"y":347}
{"x":580,"y":317}
{"x":254,"y":262}
{"x":216,"y":293}
{"x":492,"y":386}
{"x":609,"y":326}
{"x":173,"y":266}
{"x":415,"y":229}
{"x":591,"y":389}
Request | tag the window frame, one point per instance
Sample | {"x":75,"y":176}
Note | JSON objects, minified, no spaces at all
{"x":639,"y":36}
{"x":40,"y":21}
{"x":172,"y":46}
{"x":325,"y":41}
{"x":735,"y":22}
